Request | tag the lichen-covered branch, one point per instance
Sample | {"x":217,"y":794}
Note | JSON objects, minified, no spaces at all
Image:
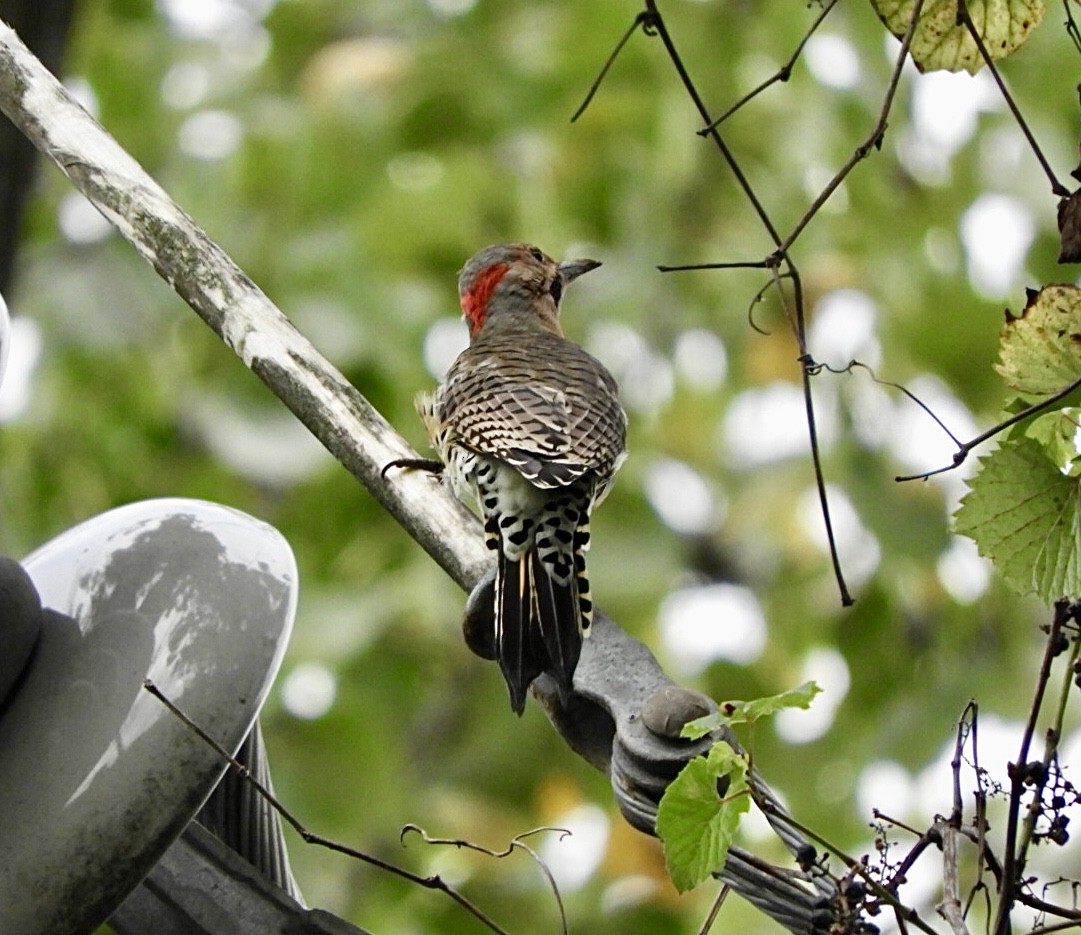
{"x":235,"y":308}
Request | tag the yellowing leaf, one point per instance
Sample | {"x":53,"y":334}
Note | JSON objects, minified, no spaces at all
{"x":941,"y":43}
{"x":1025,"y":515}
{"x":1040,"y":351}
{"x":696,"y":822}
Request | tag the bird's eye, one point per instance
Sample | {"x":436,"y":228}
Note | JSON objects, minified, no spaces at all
{"x":536,"y":254}
{"x":556,"y":289}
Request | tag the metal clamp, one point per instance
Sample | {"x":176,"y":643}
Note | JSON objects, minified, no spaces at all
{"x":624,"y":717}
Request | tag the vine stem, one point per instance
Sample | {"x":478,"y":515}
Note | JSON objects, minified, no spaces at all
{"x":1013,"y":856}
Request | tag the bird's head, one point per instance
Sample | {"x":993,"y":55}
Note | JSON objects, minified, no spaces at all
{"x":516,"y":281}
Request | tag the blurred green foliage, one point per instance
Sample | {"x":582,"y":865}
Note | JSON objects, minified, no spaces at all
{"x":382,"y":143}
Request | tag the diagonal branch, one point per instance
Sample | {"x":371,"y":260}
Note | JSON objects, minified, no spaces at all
{"x":236,"y":309}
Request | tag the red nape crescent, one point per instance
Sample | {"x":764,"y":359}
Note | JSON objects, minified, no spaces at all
{"x":475,"y":301}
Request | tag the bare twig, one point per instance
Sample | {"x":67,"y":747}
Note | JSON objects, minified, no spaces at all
{"x":950,"y":907}
{"x":1013,"y":857}
{"x":907,"y":913}
{"x":965,"y":449}
{"x":310,"y":837}
{"x":641,"y":20}
{"x":516,"y":843}
{"x":714,"y":910}
{"x":782,"y":74}
{"x":965,"y":19}
{"x":1052,"y":736}
{"x":873,"y":141}
{"x":779,"y":258}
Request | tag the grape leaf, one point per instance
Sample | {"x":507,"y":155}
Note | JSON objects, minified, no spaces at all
{"x":1040,"y":351}
{"x":747,"y":712}
{"x":942,"y":43}
{"x":1056,"y":433}
{"x":697,"y":824}
{"x":1025,"y":515}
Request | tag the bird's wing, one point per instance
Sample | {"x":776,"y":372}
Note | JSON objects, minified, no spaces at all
{"x":553,"y":418}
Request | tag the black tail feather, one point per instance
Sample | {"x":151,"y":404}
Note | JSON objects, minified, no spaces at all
{"x":537,"y":626}
{"x":557,"y":619}
{"x":517,"y":655}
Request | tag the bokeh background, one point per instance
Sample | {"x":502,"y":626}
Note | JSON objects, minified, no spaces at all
{"x":350,"y":156}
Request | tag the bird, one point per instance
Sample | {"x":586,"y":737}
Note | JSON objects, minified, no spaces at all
{"x":529,"y":427}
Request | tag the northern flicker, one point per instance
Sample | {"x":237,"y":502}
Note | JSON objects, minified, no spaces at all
{"x":528,"y":425}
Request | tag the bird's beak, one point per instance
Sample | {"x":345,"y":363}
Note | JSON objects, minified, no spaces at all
{"x":570,"y":270}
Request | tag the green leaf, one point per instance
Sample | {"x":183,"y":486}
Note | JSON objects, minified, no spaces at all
{"x":941,"y":43}
{"x":747,"y":712}
{"x":1056,"y":434}
{"x":1040,"y":351}
{"x":1025,"y":515}
{"x":695,"y":823}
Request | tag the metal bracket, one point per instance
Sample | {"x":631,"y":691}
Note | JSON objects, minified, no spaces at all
{"x":624,"y":718}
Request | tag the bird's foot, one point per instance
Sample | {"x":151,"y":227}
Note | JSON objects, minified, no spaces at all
{"x":431,"y":465}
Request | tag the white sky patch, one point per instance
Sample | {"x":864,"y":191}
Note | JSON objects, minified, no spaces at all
{"x":213,"y":19}
{"x":5,"y":338}
{"x":682,"y":498}
{"x":22,"y":346}
{"x":210,"y":134}
{"x":887,"y":786}
{"x":826,"y":666}
{"x":83,"y":92}
{"x":451,"y":7}
{"x":574,"y":858}
{"x":270,"y":447}
{"x":944,"y":112}
{"x":872,"y":411}
{"x":444,"y":341}
{"x":815,"y":179}
{"x":769,"y":423}
{"x":943,"y":250}
{"x":700,"y":359}
{"x":996,"y":232}
{"x":832,"y":61}
{"x":999,"y":742}
{"x":628,"y":892}
{"x":185,"y":85}
{"x":710,"y":622}
{"x":309,"y":690}
{"x":646,"y":381}
{"x":415,"y":172}
{"x":919,"y":444}
{"x":844,"y":328}
{"x":80,"y":222}
{"x":964,"y":573}
{"x":857,"y":547}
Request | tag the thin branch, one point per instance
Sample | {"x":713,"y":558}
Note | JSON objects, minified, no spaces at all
{"x":1052,"y":736}
{"x":853,"y":364}
{"x":855,"y":866}
{"x":1071,"y":26}
{"x":515,"y":844}
{"x":1012,"y":866}
{"x":965,"y":449}
{"x":782,"y":74}
{"x":791,"y":272}
{"x":950,"y":908}
{"x":714,"y":910}
{"x":310,"y":837}
{"x":965,"y":19}
{"x":873,"y":141}
{"x":641,"y":20}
